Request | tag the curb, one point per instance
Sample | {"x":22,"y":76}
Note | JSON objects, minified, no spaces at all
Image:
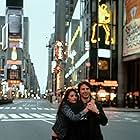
{"x":122,"y":109}
{"x":115,"y":109}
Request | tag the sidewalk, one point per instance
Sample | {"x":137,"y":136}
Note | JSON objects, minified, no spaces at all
{"x":117,"y":109}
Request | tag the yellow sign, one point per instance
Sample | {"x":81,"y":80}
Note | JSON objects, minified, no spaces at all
{"x":104,"y":19}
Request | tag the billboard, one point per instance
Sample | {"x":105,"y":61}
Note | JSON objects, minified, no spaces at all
{"x":131,"y":43}
{"x":14,"y":24}
{"x":132,"y":10}
{"x":131,"y":40}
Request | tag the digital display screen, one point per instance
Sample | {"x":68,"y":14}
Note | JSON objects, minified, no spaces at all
{"x":14,"y":24}
{"x":14,"y":74}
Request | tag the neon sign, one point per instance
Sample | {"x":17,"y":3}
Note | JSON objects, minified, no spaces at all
{"x":104,"y":19}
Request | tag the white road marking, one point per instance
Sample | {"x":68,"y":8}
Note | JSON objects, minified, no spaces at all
{"x":48,"y":115}
{"x":46,"y":108}
{"x":37,"y":115}
{"x":26,"y":108}
{"x":35,"y":119}
{"x":52,"y":109}
{"x":33,"y":108}
{"x":48,"y":122}
{"x":25,"y":115}
{"x":7,"y":107}
{"x":39,"y":108}
{"x":13,"y":108}
{"x":14,"y":116}
{"x":3,"y":116}
{"x":20,"y":108}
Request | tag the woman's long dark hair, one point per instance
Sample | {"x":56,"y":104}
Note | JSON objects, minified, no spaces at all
{"x":65,"y":98}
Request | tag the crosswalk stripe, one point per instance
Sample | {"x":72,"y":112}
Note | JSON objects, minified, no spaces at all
{"x":33,"y":108}
{"x":13,"y":108}
{"x":25,"y":115}
{"x":48,"y":115}
{"x":20,"y":108}
{"x":46,"y":108}
{"x":3,"y":116}
{"x":39,"y":108}
{"x":7,"y":107}
{"x":52,"y":109}
{"x":14,"y":116}
{"x":36,"y":115}
{"x":26,"y":108}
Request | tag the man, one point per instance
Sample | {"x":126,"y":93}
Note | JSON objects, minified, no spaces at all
{"x":95,"y":115}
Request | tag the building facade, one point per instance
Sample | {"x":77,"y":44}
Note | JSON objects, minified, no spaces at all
{"x":102,"y":39}
{"x":17,"y":72}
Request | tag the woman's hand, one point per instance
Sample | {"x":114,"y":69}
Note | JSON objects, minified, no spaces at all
{"x":86,"y":109}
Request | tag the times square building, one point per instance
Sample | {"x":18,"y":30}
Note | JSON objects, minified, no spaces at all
{"x":103,"y":47}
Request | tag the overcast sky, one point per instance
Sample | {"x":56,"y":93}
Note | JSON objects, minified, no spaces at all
{"x":41,"y":18}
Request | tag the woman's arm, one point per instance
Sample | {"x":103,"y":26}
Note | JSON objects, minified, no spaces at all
{"x":67,"y":111}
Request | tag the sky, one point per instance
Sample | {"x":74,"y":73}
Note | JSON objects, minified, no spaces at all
{"x":41,"y":26}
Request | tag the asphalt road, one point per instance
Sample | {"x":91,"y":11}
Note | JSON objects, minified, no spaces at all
{"x":33,"y":119}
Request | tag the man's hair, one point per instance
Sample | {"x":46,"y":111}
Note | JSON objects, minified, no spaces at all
{"x":83,"y":83}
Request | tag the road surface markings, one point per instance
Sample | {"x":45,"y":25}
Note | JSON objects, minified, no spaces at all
{"x":25,"y":116}
{"x":3,"y":116}
{"x":49,"y":122}
{"x":39,"y":108}
{"x":7,"y":107}
{"x":33,"y":108}
{"x":14,"y":116}
{"x":34,"y":119}
{"x":48,"y":115}
{"x":26,"y":108}
{"x":20,"y":107}
{"x":37,"y":115}
{"x":13,"y":107}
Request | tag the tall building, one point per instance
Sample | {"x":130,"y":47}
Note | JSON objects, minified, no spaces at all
{"x":17,"y":72}
{"x":102,"y":39}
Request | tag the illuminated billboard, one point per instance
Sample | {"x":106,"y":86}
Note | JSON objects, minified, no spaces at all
{"x":14,"y":24}
{"x":132,"y":8}
{"x":131,"y":40}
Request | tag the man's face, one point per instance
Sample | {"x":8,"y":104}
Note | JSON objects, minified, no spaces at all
{"x":84,"y":91}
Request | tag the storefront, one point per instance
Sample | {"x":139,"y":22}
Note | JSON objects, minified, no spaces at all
{"x":105,"y":92}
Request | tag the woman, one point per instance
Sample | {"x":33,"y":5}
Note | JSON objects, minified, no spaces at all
{"x":65,"y":114}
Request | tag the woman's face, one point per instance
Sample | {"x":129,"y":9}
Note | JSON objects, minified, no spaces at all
{"x":84,"y":91}
{"x":72,"y":97}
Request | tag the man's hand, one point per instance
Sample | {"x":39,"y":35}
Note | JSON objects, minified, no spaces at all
{"x":92,"y":106}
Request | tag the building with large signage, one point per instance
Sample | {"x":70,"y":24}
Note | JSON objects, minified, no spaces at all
{"x":102,"y":39}
{"x":17,"y":74}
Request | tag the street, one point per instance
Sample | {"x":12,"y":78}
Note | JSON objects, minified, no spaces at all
{"x":33,"y":119}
